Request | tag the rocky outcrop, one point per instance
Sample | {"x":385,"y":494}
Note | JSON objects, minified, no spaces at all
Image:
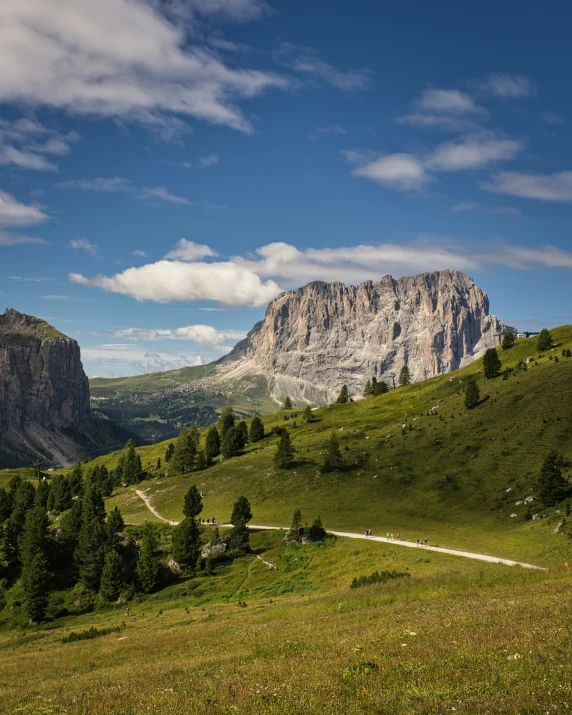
{"x":319,"y":337}
{"x":44,"y":395}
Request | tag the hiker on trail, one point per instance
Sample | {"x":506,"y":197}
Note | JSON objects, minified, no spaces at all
{"x":366,"y":534}
{"x":417,"y":542}
{"x":391,"y":537}
{"x":387,"y":535}
{"x":426,"y":540}
{"x":213,"y":520}
{"x":398,"y":536}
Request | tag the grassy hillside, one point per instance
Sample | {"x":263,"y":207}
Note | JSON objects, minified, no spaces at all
{"x":450,"y":474}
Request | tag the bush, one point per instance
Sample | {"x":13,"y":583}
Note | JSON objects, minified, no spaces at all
{"x":89,"y":634}
{"x":377,"y":577}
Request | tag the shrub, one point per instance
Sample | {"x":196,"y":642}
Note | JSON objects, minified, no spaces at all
{"x":377,"y":577}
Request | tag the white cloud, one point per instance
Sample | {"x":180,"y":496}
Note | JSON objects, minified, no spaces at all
{"x":25,"y":159}
{"x":308,"y":61}
{"x":403,"y":172}
{"x":17,"y":239}
{"x":14,"y":213}
{"x":112,"y":185}
{"x":138,"y":359}
{"x":138,"y":252}
{"x":494,"y":210}
{"x":24,"y":141}
{"x":444,"y":122}
{"x":546,"y":187}
{"x":448,"y":101}
{"x":332,"y":131}
{"x":83,"y":244}
{"x":58,"y":297}
{"x":124,"y":59}
{"x":116,"y":184}
{"x":205,"y":335}
{"x":185,"y":250}
{"x":209,"y":160}
{"x":160,"y":193}
{"x":510,"y":86}
{"x":167,"y":281}
{"x":471,"y":153}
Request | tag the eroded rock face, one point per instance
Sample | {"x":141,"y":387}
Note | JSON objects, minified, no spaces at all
{"x":319,"y":337}
{"x":44,"y":396}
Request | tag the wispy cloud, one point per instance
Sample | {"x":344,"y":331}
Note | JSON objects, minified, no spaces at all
{"x":17,"y":239}
{"x":205,"y":335}
{"x":209,"y":160}
{"x":150,"y":194}
{"x":552,"y":118}
{"x":493,"y":210}
{"x":472,"y":153}
{"x":545,"y":187}
{"x":138,"y":252}
{"x":309,"y":63}
{"x":335,"y":130}
{"x":185,"y":250}
{"x":448,"y":101}
{"x":24,"y":142}
{"x":15,"y":213}
{"x":509,"y":86}
{"x":83,"y":244}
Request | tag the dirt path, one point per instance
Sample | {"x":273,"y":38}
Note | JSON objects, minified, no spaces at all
{"x":152,"y":509}
{"x":384,"y":539}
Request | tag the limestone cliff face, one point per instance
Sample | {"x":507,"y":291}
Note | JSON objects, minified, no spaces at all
{"x":44,"y":395}
{"x":319,"y":337}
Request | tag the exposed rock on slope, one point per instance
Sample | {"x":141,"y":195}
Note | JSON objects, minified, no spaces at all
{"x":44,"y":395}
{"x":315,"y":339}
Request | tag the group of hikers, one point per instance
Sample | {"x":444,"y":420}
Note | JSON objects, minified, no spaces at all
{"x":208,"y":521}
{"x":396,"y":537}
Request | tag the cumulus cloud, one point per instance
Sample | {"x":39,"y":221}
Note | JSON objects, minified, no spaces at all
{"x":185,"y":250}
{"x":309,"y":62}
{"x":448,"y":101}
{"x":205,"y":335}
{"x":545,"y":187}
{"x":14,"y":213}
{"x":137,"y":359}
{"x":472,"y":153}
{"x":167,"y":281}
{"x":510,"y":86}
{"x":126,"y":60}
{"x":83,"y":244}
{"x":403,"y":172}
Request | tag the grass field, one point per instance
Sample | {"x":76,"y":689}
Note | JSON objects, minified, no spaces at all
{"x":455,"y":636}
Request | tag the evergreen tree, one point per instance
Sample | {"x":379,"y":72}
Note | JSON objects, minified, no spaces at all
{"x":5,"y":505}
{"x":544,"y":341}
{"x":307,"y":414}
{"x":149,"y":563}
{"x":256,"y":430}
{"x":296,"y":525}
{"x":35,"y":574}
{"x":114,"y":524}
{"x":22,"y":496}
{"x":193,"y":502}
{"x":187,"y":544}
{"x":89,"y":554}
{"x":76,"y":480}
{"x":404,"y":376}
{"x":158,"y":465}
{"x":242,"y":429}
{"x":70,"y":525}
{"x":169,"y":452}
{"x":380,"y":388}
{"x":368,"y":389}
{"x":225,"y":421}
{"x":194,"y":434}
{"x":184,"y":454}
{"x":60,"y":498}
{"x":333,"y":457}
{"x":287,"y":404}
{"x":42,"y":493}
{"x":343,"y":397}
{"x":239,"y":539}
{"x":472,"y":394}
{"x":132,"y":469}
{"x":553,"y":487}
{"x":212,"y":445}
{"x":93,"y":504}
{"x":231,"y":445}
{"x":317,"y":531}
{"x":201,"y":461}
{"x":284,"y":455}
{"x":241,"y":512}
{"x":112,"y":576}
{"x":491,"y":363}
{"x":508,"y":340}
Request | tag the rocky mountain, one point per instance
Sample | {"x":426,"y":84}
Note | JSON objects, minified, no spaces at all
{"x":319,"y":337}
{"x":44,"y":396}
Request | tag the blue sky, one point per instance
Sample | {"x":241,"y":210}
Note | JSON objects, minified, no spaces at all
{"x":167,"y":168}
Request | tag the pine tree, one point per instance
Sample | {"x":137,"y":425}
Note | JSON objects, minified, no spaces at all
{"x":544,"y":341}
{"x":472,"y":394}
{"x":93,"y":504}
{"x":169,"y":452}
{"x":333,"y":457}
{"x":42,"y":493}
{"x":184,"y":454}
{"x":225,"y":421}
{"x":187,"y":544}
{"x":287,"y":404}
{"x":35,"y":574}
{"x":491,"y":363}
{"x":256,"y":430}
{"x":317,"y":531}
{"x":22,"y":496}
{"x":284,"y":455}
{"x":343,"y":397}
{"x":132,"y":469}
{"x":60,"y":498}
{"x":149,"y":564}
{"x":201,"y":461}
{"x":404,"y":377}
{"x":296,"y":525}
{"x":380,"y":388}
{"x":114,"y":524}
{"x":242,"y":429}
{"x":212,"y":445}
{"x":158,"y":465}
{"x":231,"y":445}
{"x":76,"y":480}
{"x":508,"y":340}
{"x":307,"y":414}
{"x":241,"y":512}
{"x":193,"y":502}
{"x":194,"y":434}
{"x":112,"y":576}
{"x":553,"y":487}
{"x":90,"y":553}
{"x":70,"y":525}
{"x":368,"y":389}
{"x":5,"y":505}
